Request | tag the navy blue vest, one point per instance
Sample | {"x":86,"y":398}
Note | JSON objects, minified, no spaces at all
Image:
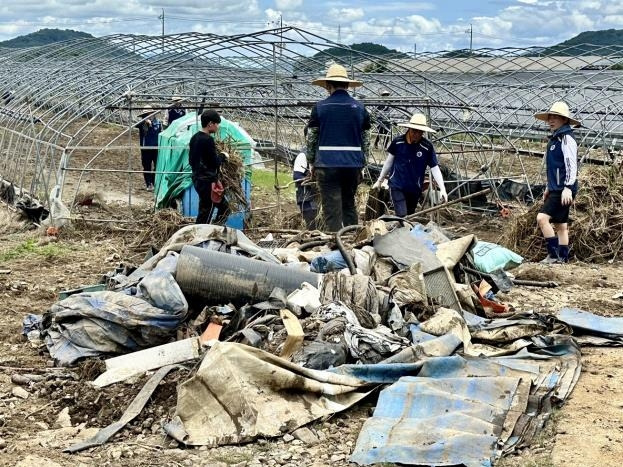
{"x":341,"y":121}
{"x":555,"y":161}
{"x":410,"y":161}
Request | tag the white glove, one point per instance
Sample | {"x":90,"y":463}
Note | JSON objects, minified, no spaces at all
{"x":377,"y":184}
{"x":566,"y":198}
{"x":443,"y":195}
{"x":225,"y":156}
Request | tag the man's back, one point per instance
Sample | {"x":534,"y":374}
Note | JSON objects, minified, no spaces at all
{"x":203,"y":157}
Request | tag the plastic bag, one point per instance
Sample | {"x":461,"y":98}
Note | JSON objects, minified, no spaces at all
{"x":489,"y":256}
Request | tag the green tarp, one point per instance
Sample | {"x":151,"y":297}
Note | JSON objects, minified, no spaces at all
{"x":173,"y":155}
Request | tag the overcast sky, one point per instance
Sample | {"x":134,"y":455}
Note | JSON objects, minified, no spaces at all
{"x":432,"y":25}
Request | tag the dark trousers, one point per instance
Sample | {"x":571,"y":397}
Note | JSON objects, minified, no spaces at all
{"x":405,"y":202}
{"x":338,"y":186}
{"x":149,"y":158}
{"x":207,"y":207}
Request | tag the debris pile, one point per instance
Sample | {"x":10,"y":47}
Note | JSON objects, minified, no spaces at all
{"x":273,"y":335}
{"x":596,"y":222}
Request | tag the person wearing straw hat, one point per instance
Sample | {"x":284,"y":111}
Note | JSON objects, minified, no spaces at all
{"x":148,"y":129}
{"x":408,"y":156}
{"x":561,"y":161}
{"x":338,"y":144}
{"x":176,"y":110}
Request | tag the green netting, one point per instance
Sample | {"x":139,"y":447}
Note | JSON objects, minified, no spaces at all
{"x":173,"y":155}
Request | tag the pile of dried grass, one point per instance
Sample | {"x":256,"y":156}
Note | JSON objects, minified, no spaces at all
{"x":596,"y":227}
{"x":160,"y":226}
{"x":232,"y":174}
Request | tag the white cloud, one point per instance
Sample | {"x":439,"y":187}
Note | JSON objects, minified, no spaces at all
{"x":285,"y":5}
{"x":343,"y":15}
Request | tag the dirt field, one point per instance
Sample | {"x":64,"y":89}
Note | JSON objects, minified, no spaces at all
{"x":587,"y":430}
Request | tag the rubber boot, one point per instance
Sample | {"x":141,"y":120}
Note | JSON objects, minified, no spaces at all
{"x":552,"y":251}
{"x":563,"y":253}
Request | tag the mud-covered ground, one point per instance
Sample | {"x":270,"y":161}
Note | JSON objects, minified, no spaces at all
{"x":587,"y":430}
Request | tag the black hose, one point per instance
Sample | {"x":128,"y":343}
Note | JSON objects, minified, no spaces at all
{"x":312,"y":243}
{"x":222,"y":278}
{"x":340,"y":246}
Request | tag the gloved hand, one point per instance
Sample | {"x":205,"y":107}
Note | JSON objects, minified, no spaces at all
{"x":443,"y":195}
{"x":376,"y":184}
{"x":567,"y":197}
{"x":545,"y":194}
{"x":225,"y":156}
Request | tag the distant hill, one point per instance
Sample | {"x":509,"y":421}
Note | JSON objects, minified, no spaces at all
{"x":589,"y":43}
{"x":343,"y":56}
{"x":44,"y":37}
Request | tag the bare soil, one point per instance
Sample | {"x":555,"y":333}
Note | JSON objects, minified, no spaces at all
{"x":587,"y":430}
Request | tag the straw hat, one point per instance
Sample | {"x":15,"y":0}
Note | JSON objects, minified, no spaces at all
{"x":337,"y":73}
{"x":177,"y":99}
{"x":558,"y":108}
{"x":385,"y":92}
{"x":147,"y":109}
{"x":418,"y":122}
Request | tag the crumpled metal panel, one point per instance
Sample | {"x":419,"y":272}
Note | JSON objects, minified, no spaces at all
{"x":602,"y":327}
{"x":437,"y":421}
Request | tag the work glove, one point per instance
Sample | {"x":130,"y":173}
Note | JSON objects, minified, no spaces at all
{"x":567,"y":197}
{"x":545,"y":194}
{"x":443,"y":195}
{"x":377,"y":184}
{"x":225,"y":156}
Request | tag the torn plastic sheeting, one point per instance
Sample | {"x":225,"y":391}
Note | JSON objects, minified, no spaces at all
{"x":584,"y":322}
{"x":196,"y":235}
{"x":450,"y":253}
{"x":438,"y":347}
{"x":356,"y":292}
{"x":96,"y":323}
{"x":159,"y":288}
{"x":437,"y":421}
{"x":406,"y":249}
{"x":240,"y":393}
{"x":372,"y":345}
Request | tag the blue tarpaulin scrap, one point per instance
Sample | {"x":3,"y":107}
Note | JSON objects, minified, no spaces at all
{"x":460,"y":410}
{"x":593,"y":329}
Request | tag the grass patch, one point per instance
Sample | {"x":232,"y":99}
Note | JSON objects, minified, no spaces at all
{"x":30,"y":248}
{"x":233,"y":458}
{"x":266,"y":179}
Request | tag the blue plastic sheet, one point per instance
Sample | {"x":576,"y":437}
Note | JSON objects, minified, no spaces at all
{"x":465,"y":411}
{"x":332,"y":261}
{"x":606,"y":330}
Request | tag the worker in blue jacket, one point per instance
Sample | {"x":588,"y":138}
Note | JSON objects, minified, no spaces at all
{"x":408,"y":156}
{"x":561,"y":160}
{"x":338,"y":144}
{"x":149,"y":130}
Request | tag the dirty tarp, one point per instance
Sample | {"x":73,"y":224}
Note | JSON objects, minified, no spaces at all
{"x":468,"y":410}
{"x":590,"y":329}
{"x":96,"y":323}
{"x":240,"y":393}
{"x":232,"y":240}
{"x":405,"y":249}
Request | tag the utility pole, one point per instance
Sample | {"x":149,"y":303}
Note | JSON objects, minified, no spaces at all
{"x":339,"y":33}
{"x":471,"y":36}
{"x":414,"y":49}
{"x":162,"y":18}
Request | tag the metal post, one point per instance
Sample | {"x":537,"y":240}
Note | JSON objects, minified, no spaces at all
{"x":276,"y":128}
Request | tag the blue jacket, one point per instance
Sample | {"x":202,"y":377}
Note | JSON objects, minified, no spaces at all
{"x":410,"y":162}
{"x":341,"y":121}
{"x":149,"y":133}
{"x":561,"y":160}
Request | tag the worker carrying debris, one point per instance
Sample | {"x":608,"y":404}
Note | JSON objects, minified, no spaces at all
{"x":562,"y":184}
{"x":338,"y":144}
{"x":205,"y":162}
{"x":408,"y":156}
